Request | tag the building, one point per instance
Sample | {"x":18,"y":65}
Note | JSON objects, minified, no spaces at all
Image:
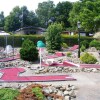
{"x":30,"y":30}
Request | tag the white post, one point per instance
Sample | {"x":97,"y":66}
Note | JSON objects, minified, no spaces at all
{"x":40,"y":58}
{"x":6,"y":45}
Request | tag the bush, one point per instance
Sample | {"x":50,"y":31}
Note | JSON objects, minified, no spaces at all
{"x":72,"y":40}
{"x":85,"y":43}
{"x":28,"y":51}
{"x":88,"y":58}
{"x":95,"y":44}
{"x":64,"y":45}
{"x":38,"y":92}
{"x":8,"y":94}
{"x":83,"y":48}
{"x":53,"y":37}
{"x":69,"y":54}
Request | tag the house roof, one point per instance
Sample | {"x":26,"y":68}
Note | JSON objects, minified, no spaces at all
{"x":4,"y":33}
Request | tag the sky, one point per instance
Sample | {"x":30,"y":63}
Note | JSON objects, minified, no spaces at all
{"x":7,"y":5}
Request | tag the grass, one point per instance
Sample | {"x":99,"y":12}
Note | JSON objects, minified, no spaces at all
{"x":8,"y":94}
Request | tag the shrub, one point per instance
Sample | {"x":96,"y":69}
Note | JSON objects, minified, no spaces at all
{"x":64,"y":45}
{"x":38,"y":92}
{"x":85,"y":43}
{"x":83,"y":48}
{"x":72,"y":40}
{"x":69,"y":54}
{"x":88,"y":58}
{"x":53,"y":37}
{"x":95,"y":44}
{"x":98,"y":48}
{"x":8,"y":94}
{"x":28,"y":51}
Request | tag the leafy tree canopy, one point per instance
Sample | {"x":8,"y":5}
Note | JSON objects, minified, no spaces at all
{"x":88,"y":13}
{"x":1,"y":19}
{"x":20,"y":17}
{"x":53,"y":37}
{"x":45,"y":12}
{"x":62,"y":12}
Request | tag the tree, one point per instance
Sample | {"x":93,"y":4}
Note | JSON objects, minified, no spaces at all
{"x":2,"y":19}
{"x":45,"y":12}
{"x":74,"y":14}
{"x":12,"y":21}
{"x":28,"y":51}
{"x":20,"y":17}
{"x":53,"y":37}
{"x":28,"y":17}
{"x":88,"y":12}
{"x":62,"y":12}
{"x":90,"y":16}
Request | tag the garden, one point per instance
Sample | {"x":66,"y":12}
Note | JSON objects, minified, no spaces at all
{"x":50,"y":61}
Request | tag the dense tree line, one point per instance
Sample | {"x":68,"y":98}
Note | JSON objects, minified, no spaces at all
{"x":88,"y":13}
{"x":67,"y":13}
{"x":20,"y":17}
{"x":2,"y":19}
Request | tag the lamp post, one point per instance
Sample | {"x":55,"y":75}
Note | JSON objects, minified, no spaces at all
{"x":13,"y":45}
{"x":79,"y":26}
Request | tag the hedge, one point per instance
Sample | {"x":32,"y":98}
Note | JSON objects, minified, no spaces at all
{"x":72,"y":40}
{"x":16,"y":41}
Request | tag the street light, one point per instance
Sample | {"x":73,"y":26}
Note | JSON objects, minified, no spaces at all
{"x":79,"y":26}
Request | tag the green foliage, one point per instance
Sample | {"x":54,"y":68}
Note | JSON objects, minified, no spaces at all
{"x":38,"y":92}
{"x":44,"y":12}
{"x":28,"y":51}
{"x":69,"y":54}
{"x":53,"y":37}
{"x":74,"y":14}
{"x":18,"y":40}
{"x":83,"y":48}
{"x":64,"y":45}
{"x":14,"y":20}
{"x":88,"y":58}
{"x":95,"y":44}
{"x":2,"y":19}
{"x":85,"y":43}
{"x":72,"y":40}
{"x":8,"y":94}
{"x":62,"y":12}
{"x":88,"y":13}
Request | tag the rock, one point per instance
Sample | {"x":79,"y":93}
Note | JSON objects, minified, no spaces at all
{"x":73,"y":87}
{"x":60,"y":93}
{"x":49,"y":98}
{"x":97,"y":63}
{"x":69,"y":89}
{"x":46,"y":90}
{"x":58,"y":86}
{"x":58,"y":99}
{"x":94,"y":69}
{"x":72,"y":93}
{"x":67,"y":98}
{"x":0,"y":84}
{"x":67,"y":86}
{"x":15,"y":86}
{"x":66,"y":93}
{"x":53,"y":89}
{"x":5,"y":85}
{"x":37,"y":71}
